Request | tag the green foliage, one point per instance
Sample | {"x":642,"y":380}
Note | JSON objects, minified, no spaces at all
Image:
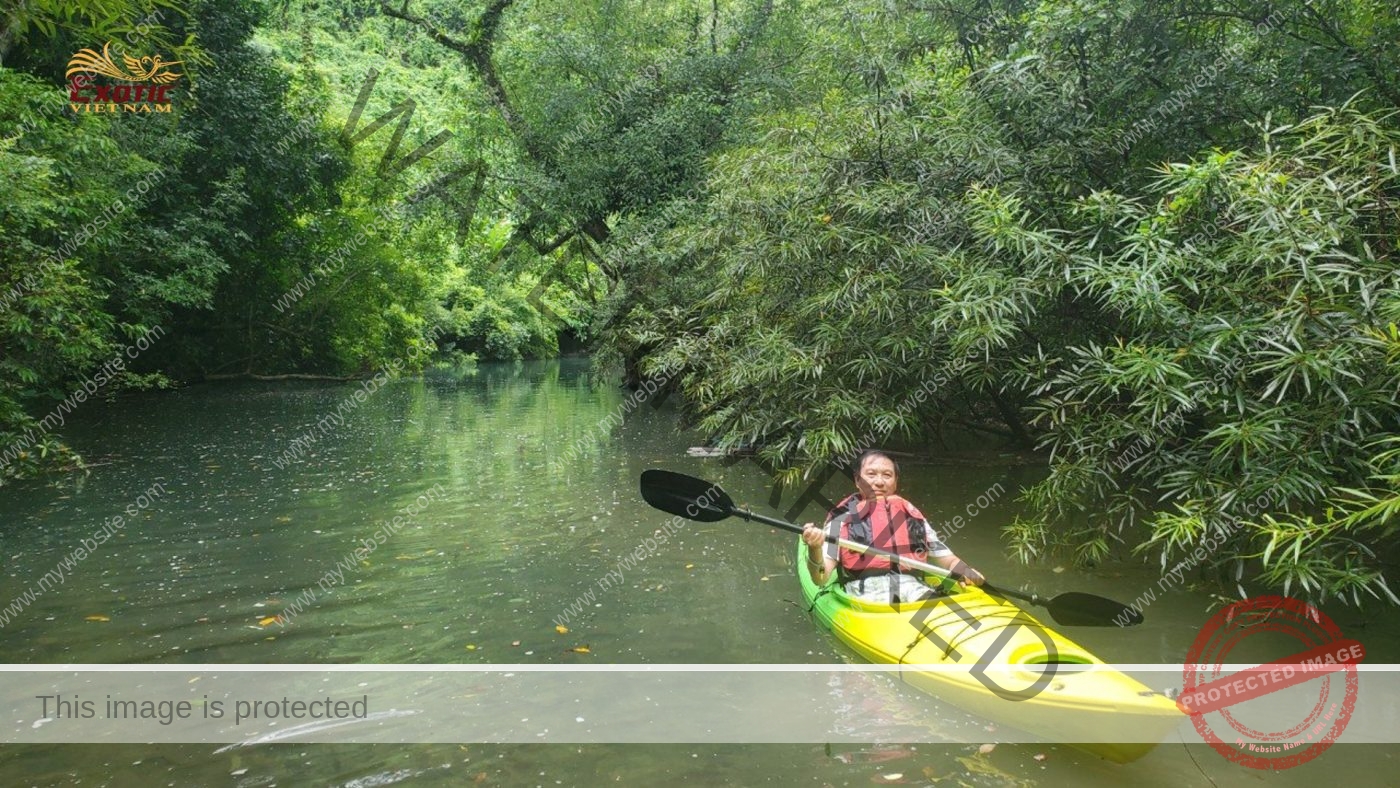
{"x":967,"y":222}
{"x":844,"y":262}
{"x":1154,"y":238}
{"x":1257,"y":289}
{"x":501,"y":326}
{"x":37,"y":23}
{"x":55,"y":175}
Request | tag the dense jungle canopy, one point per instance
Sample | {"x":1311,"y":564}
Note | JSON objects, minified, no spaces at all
{"x":1154,"y":240}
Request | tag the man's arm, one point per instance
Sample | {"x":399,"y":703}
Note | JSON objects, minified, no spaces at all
{"x":939,"y":554}
{"x":954,"y":564}
{"x":821,"y":555}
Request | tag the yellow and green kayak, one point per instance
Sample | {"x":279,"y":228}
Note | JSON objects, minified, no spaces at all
{"x":1084,"y":707}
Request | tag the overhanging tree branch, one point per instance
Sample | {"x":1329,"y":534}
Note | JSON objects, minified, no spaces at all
{"x":477,"y":48}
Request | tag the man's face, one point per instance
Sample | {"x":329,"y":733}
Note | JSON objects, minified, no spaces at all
{"x":876,"y":477}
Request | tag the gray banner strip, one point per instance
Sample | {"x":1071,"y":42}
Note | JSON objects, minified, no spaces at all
{"x":624,"y":704}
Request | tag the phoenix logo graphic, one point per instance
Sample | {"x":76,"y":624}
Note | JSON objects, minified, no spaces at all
{"x":142,"y":83}
{"x":144,"y":69}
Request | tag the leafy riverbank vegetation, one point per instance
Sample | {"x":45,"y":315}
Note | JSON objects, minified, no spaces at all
{"x":1154,"y":239}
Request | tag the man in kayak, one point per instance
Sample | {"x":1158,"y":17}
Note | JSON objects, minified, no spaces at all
{"x":874,"y":515}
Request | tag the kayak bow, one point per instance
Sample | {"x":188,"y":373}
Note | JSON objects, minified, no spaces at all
{"x":1083,"y":707}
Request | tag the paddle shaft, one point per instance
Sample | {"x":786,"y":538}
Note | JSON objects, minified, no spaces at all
{"x":902,"y":560}
{"x":702,"y":501}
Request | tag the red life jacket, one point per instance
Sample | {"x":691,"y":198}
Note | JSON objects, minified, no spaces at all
{"x":888,"y":523}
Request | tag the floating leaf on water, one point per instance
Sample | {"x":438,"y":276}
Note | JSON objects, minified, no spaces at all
{"x":581,"y":650}
{"x":876,"y":755}
{"x":262,"y":622}
{"x":764,"y":578}
{"x":986,"y":748}
{"x":515,"y":642}
{"x":1058,"y":569}
{"x":886,"y":779}
{"x":471,"y":647}
{"x":96,"y":618}
{"x":690,"y":566}
{"x":983,"y":767}
{"x":1040,"y":756}
{"x":561,"y":629}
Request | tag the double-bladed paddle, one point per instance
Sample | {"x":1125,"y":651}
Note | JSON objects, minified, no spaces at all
{"x":697,"y":499}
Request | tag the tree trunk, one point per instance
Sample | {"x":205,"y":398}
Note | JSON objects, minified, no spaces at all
{"x":1013,"y":422}
{"x":286,"y":376}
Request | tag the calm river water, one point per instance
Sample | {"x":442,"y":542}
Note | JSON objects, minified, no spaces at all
{"x":525,"y":500}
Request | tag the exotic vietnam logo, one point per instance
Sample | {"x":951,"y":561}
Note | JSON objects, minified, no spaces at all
{"x":143,"y":84}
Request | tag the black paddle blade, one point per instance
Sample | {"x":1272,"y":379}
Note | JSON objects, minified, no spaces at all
{"x":1077,"y":609}
{"x":686,"y":496}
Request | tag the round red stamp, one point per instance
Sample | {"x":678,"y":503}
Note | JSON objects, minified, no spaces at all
{"x":1301,"y":700}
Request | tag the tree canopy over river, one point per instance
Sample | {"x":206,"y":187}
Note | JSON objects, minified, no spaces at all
{"x":1156,"y":240}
